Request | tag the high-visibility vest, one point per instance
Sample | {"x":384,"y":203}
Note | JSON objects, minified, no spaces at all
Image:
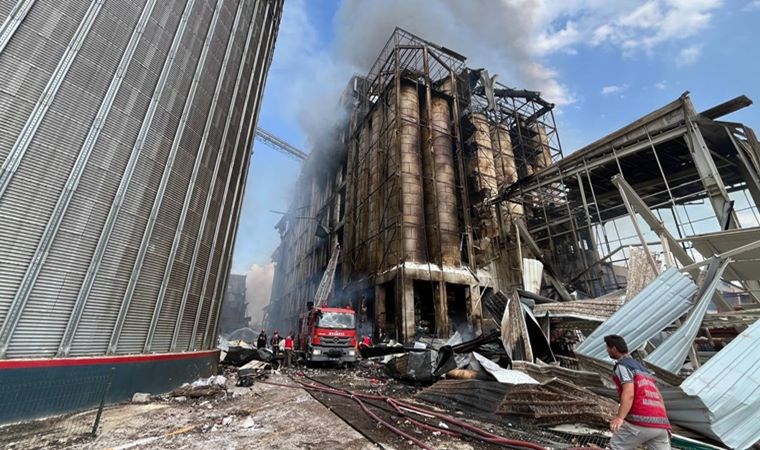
{"x":288,"y":343}
{"x":648,"y":409}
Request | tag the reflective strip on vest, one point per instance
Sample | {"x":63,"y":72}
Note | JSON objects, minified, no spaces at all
{"x":648,"y":409}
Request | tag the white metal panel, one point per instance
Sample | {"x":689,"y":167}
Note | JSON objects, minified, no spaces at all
{"x":667,"y":298}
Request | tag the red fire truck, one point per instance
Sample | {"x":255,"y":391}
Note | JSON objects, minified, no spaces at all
{"x":325,"y":333}
{"x":328,"y":335}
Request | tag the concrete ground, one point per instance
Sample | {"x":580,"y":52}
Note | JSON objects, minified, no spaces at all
{"x":259,"y":417}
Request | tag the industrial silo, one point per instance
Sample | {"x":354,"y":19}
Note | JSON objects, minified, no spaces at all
{"x":127,"y":128}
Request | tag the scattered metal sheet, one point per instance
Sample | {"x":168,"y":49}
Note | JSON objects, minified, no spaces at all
{"x":745,"y":266}
{"x":514,"y":331}
{"x":473,"y":396}
{"x":640,"y":272}
{"x":556,"y":402}
{"x":501,"y":374}
{"x":414,"y":366}
{"x":728,"y":386}
{"x":594,"y":310}
{"x":664,"y":300}
{"x":532,"y":274}
{"x":495,"y":302}
{"x":671,"y":354}
{"x":546,"y":372}
{"x":539,"y":343}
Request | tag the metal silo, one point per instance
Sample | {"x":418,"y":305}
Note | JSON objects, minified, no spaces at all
{"x":125,"y":145}
{"x":411,"y":175}
{"x":440,"y":186}
{"x":375,"y":199}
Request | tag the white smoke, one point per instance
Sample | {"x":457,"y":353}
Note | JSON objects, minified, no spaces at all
{"x":512,"y":38}
{"x":258,"y":289}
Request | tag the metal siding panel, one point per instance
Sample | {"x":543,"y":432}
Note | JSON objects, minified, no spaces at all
{"x":109,"y":161}
{"x":170,"y":213}
{"x":5,"y":9}
{"x":220,"y":247}
{"x":29,"y":59}
{"x":61,"y":137}
{"x":38,"y":44}
{"x":143,"y":301}
{"x":671,"y":353}
{"x":729,"y":387}
{"x":664,"y":300}
{"x":192,"y":237}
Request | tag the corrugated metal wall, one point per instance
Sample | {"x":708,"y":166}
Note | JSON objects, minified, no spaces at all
{"x":125,"y":144}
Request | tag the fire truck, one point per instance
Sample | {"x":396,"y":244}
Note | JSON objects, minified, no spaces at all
{"x":328,"y":334}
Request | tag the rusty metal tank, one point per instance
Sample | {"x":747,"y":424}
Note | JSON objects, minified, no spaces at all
{"x":504,"y":159}
{"x":375,"y":182}
{"x":362,"y":205}
{"x":483,"y":171}
{"x":410,"y":182}
{"x":541,"y":149}
{"x":484,"y":158}
{"x":443,"y":229}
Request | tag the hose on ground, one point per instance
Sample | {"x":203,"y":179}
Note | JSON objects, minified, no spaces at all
{"x":478,"y":433}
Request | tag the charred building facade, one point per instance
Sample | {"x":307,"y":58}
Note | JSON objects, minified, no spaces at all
{"x":408,"y":190}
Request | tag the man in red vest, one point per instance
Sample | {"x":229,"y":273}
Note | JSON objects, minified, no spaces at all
{"x":641,"y":419}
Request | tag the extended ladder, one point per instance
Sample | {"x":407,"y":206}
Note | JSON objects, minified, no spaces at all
{"x":326,"y":285}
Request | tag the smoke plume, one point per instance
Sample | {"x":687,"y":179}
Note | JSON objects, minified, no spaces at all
{"x":511,"y":38}
{"x":258,"y":289}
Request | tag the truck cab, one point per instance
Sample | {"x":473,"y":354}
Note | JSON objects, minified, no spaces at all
{"x":328,"y":335}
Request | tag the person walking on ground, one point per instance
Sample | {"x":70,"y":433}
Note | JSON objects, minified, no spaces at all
{"x":641,"y":419}
{"x":275,"y":341}
{"x":288,"y":350}
{"x":261,"y":342}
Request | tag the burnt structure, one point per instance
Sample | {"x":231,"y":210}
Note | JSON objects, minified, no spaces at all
{"x":234,"y":314}
{"x":409,"y":189}
{"x":442,"y":182}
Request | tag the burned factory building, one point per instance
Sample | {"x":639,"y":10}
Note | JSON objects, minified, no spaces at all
{"x":408,"y":191}
{"x":442,"y":185}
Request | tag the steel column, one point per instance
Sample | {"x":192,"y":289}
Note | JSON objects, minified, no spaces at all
{"x":680,"y":254}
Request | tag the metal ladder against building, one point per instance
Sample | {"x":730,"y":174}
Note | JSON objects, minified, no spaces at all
{"x":328,"y":278}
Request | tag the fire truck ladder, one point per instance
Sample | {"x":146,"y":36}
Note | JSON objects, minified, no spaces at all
{"x":326,"y":285}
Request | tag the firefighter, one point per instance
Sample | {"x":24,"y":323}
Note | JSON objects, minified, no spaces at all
{"x":261,"y":342}
{"x":275,"y":341}
{"x":288,"y":350}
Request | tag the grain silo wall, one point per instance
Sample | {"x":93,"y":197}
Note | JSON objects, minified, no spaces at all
{"x":125,"y":144}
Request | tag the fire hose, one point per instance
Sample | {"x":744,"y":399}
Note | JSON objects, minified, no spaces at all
{"x":399,"y":406}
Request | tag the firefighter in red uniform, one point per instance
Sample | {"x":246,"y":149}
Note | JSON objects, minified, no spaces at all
{"x":288,"y":347}
{"x":641,"y":419}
